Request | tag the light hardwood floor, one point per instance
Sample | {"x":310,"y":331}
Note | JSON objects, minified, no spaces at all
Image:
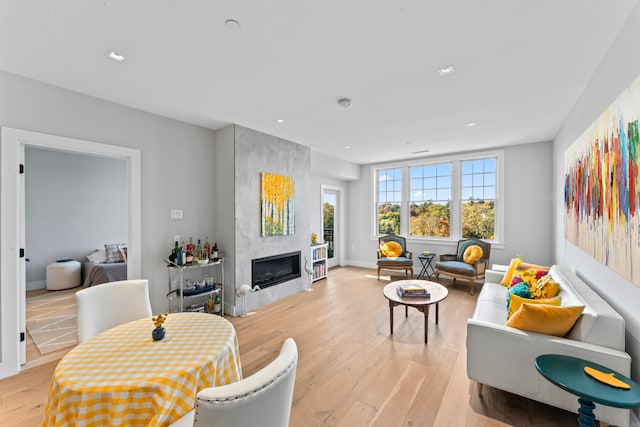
{"x":351,"y":372}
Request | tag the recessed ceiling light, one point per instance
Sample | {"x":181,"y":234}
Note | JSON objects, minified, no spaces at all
{"x":420,"y":152}
{"x":471,"y":124}
{"x":347,"y":147}
{"x":279,"y":120}
{"x":445,"y":71}
{"x":232,"y":24}
{"x":115,"y":56}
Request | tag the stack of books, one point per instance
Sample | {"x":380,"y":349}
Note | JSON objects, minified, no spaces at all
{"x":415,"y":291}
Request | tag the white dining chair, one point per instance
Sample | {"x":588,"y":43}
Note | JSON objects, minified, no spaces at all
{"x":104,"y":306}
{"x":263,"y":399}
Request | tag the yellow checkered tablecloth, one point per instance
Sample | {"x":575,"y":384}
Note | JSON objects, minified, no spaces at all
{"x":122,"y":377}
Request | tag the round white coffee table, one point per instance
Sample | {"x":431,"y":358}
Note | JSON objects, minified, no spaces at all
{"x":437,"y":291}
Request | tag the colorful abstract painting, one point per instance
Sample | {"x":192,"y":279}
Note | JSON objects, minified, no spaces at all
{"x":601,"y":197}
{"x":277,"y":205}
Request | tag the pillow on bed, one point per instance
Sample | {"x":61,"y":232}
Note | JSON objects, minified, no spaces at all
{"x":123,"y":252}
{"x":97,"y":257}
{"x":113,"y":252}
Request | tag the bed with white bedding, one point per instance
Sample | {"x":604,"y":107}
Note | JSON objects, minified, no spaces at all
{"x":105,"y":265}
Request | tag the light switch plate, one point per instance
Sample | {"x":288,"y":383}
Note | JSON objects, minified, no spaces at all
{"x":176,"y":214}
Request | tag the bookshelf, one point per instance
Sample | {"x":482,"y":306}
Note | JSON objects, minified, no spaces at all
{"x":319,"y":260}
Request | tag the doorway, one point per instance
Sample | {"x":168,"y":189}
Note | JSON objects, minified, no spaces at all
{"x":332,"y":223}
{"x":12,"y":228}
{"x":74,"y":205}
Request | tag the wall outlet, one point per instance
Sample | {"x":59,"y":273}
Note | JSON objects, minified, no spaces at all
{"x":176,"y":238}
{"x":176,"y":214}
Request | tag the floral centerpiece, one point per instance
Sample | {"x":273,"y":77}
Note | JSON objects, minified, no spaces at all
{"x":158,"y":333}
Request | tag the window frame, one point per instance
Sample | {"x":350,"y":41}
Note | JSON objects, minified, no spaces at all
{"x":456,"y":195}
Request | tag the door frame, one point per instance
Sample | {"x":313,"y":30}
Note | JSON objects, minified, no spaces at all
{"x":339,"y":232}
{"x":12,"y":226}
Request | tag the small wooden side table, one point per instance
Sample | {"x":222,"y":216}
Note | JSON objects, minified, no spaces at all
{"x":568,"y":373}
{"x":437,"y":291}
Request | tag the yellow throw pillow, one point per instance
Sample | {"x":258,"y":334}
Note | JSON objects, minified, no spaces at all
{"x":545,"y":287}
{"x":545,"y":319}
{"x":472,"y":254}
{"x":392,"y":249}
{"x":506,"y":280}
{"x":517,"y":301}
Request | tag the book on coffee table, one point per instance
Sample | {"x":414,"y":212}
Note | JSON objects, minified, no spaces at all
{"x":415,"y":291}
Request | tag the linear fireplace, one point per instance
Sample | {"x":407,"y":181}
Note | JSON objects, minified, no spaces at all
{"x":271,"y":270}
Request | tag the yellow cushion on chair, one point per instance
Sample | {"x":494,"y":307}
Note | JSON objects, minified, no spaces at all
{"x":472,"y":254}
{"x":391,"y":249}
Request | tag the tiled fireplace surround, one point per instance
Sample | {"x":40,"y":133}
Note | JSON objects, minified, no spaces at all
{"x":248,"y":153}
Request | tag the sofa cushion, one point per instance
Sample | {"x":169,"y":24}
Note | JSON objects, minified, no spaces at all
{"x":458,"y":267}
{"x":517,"y":301}
{"x":545,"y":287}
{"x":520,"y":289}
{"x":545,"y":319}
{"x":506,"y":279}
{"x":599,"y":324}
{"x":529,"y":273}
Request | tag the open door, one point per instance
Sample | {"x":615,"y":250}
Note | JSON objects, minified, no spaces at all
{"x":332,"y":223}
{"x":12,"y":230}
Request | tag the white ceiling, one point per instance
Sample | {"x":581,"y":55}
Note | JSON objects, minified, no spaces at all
{"x":520,"y":66}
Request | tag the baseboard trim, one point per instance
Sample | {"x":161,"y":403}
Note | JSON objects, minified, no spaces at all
{"x":38,"y":284}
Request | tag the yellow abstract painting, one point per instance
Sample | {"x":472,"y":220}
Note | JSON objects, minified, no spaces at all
{"x":277,"y":205}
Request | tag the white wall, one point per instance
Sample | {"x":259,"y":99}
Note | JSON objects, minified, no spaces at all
{"x":176,"y":158}
{"x":619,"y":68}
{"x":527,"y":211}
{"x":74,"y":204}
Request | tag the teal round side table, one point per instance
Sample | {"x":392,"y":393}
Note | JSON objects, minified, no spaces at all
{"x":568,"y":373}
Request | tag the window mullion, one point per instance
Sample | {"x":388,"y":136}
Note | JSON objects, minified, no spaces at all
{"x":455,"y":200}
{"x":404,"y":205}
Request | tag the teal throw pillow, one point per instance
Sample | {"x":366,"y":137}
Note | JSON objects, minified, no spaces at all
{"x":521,"y":289}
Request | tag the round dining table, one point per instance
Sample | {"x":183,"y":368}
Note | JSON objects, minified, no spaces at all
{"x":123,"y":377}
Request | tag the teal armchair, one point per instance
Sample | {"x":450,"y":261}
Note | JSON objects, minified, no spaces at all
{"x":393,"y":255}
{"x":454,"y":265}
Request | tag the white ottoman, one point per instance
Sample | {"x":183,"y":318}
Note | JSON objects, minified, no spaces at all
{"x":63,"y":274}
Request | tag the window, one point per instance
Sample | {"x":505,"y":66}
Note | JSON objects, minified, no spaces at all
{"x":430,"y":200}
{"x":389,"y":200}
{"x":478,"y":198}
{"x":448,"y":200}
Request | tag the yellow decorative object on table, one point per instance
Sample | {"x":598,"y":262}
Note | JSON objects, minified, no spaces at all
{"x":158,"y":333}
{"x":122,"y":377}
{"x":603,"y":377}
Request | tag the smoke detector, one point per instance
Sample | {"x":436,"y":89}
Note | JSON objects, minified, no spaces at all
{"x":344,"y":102}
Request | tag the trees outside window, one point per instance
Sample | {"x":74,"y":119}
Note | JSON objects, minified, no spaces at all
{"x":389,"y":183}
{"x":444,"y":200}
{"x":478,"y":198}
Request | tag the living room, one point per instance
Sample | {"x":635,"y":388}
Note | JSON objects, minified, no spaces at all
{"x":533,"y":222}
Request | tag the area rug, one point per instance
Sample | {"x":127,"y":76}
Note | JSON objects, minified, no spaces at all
{"x":51,"y":319}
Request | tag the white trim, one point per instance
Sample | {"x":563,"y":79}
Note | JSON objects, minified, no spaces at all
{"x":455,"y":194}
{"x":341,"y":219}
{"x":12,"y":142}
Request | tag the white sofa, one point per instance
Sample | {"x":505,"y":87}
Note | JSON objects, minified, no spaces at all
{"x":503,"y":357}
